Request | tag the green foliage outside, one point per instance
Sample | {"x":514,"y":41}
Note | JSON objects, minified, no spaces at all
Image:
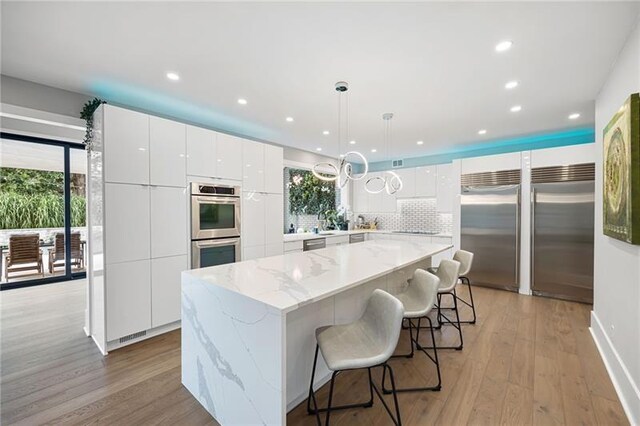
{"x":34,"y":199}
{"x":308,"y":194}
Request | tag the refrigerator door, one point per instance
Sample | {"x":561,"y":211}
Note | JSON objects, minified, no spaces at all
{"x":490,"y":228}
{"x":562,"y":240}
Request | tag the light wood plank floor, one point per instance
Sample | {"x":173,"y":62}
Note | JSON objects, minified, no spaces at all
{"x":527,"y":361}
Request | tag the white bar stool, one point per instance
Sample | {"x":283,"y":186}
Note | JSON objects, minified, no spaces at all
{"x":366,"y":343}
{"x":466,"y":261}
{"x":448,"y":274}
{"x":418,"y":300}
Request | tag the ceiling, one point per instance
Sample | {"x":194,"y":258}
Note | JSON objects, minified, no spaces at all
{"x":432,"y":64}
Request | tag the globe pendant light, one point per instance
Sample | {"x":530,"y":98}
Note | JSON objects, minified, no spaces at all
{"x":343,"y":172}
{"x":390,"y":181}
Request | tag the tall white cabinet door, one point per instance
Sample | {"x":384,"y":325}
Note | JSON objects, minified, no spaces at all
{"x":252,"y":166}
{"x":426,"y":181}
{"x":389,"y":202}
{"x":445,"y":190}
{"x":273,"y":169}
{"x":201,"y":152}
{"x":126,"y":146}
{"x":128,"y":303}
{"x":360,"y":196}
{"x":253,"y":219}
{"x":165,"y":289}
{"x":229,"y":157}
{"x":127,"y":225}
{"x":255,"y":252}
{"x":169,"y":236}
{"x":274,"y":219}
{"x":408,"y":177}
{"x":167,"y":155}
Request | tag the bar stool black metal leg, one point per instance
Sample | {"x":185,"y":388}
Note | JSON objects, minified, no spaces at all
{"x":470,"y":304}
{"x":395,"y":396}
{"x":443,"y":319}
{"x":333,"y":379}
{"x":312,"y":395}
{"x":410,"y":354}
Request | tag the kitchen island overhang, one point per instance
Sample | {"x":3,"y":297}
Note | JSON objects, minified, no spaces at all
{"x":248,"y":327}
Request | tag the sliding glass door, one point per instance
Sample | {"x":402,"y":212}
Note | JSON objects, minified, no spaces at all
{"x":42,"y":211}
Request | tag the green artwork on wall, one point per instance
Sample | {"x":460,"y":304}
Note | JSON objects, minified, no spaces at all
{"x":621,"y":168}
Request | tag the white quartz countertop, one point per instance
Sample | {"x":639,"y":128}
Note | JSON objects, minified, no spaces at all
{"x":329,"y":234}
{"x":289,"y":281}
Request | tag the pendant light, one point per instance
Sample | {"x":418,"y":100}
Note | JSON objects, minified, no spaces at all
{"x":344,"y":171}
{"x":390,"y":181}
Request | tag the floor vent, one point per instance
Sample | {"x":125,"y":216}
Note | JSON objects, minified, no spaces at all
{"x":397,"y":163}
{"x":133,"y":336}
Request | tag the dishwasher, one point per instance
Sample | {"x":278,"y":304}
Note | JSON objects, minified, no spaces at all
{"x":356,"y":238}
{"x":314,"y":244}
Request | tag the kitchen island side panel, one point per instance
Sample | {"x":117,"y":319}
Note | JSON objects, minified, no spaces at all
{"x":232,"y":355}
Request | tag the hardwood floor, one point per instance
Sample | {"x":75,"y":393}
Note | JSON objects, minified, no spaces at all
{"x":528,"y":360}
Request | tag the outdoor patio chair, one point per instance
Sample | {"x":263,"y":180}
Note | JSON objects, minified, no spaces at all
{"x":56,"y":253}
{"x":24,"y":254}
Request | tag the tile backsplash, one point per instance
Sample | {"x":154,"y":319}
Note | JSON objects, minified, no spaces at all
{"x":418,"y":214}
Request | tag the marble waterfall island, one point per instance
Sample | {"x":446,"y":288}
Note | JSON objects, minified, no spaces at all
{"x":248,"y":327}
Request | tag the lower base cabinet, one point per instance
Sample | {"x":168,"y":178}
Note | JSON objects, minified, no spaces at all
{"x":128,"y":302}
{"x":165,"y":289}
{"x":255,"y":252}
{"x":274,"y":249}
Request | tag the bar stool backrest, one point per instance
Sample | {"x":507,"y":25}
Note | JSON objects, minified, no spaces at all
{"x":466,"y":260}
{"x":425,"y":287}
{"x":448,"y":272}
{"x":383,"y":320}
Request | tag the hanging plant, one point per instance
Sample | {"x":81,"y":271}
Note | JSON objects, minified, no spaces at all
{"x":87,"y":115}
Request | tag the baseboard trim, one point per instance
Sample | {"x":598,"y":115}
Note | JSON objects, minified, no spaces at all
{"x":622,"y":382}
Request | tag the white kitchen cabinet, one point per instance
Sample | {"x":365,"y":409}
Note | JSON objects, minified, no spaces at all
{"x":169,"y":235}
{"x":408,"y":177}
{"x":273,"y":169}
{"x":445,"y":190}
{"x":201,"y":152}
{"x":360,"y":196}
{"x":337,"y":240}
{"x":374,"y":200}
{"x":274,"y":218}
{"x":273,"y":249}
{"x":126,"y":146}
{"x":254,"y":219}
{"x":165,"y":289}
{"x":255,"y":252}
{"x":389,"y":202}
{"x":127,"y":222}
{"x":252,"y":166}
{"x":128,"y":298}
{"x":228,"y":157}
{"x":293,"y":246}
{"x":167,"y":152}
{"x":425,"y":181}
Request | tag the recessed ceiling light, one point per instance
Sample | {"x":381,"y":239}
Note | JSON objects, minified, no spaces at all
{"x":173,"y":76}
{"x":420,"y":142}
{"x":516,"y":108}
{"x":503,"y":46}
{"x":511,"y":84}
{"x":352,"y":142}
{"x":326,"y":132}
{"x":482,"y":132}
{"x":242,"y":101}
{"x":574,"y":116}
{"x":289,"y":119}
{"x":374,"y":150}
{"x":318,"y":149}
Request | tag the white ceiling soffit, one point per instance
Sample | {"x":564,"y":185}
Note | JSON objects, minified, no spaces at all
{"x":432,"y":64}
{"x":35,"y":156}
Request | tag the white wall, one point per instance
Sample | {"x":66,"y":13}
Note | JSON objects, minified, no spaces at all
{"x":615,"y":319}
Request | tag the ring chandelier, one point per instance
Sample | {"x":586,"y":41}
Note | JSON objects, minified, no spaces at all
{"x":344,"y":171}
{"x":389,"y":181}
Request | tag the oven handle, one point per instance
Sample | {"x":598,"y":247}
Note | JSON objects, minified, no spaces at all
{"x":221,"y":242}
{"x":218,"y":200}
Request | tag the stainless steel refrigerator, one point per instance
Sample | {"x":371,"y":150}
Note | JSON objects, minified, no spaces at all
{"x":490,"y":227}
{"x":562,"y":220}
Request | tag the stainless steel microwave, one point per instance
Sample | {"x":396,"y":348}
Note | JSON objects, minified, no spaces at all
{"x":215,"y":211}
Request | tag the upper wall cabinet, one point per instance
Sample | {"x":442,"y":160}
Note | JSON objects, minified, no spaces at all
{"x":228,"y":157}
{"x":201,"y":152}
{"x":252,"y":166}
{"x":408,"y":177}
{"x":167,"y":152}
{"x":126,"y":146}
{"x":426,"y":178}
{"x":445,"y":190}
{"x":274,"y":166}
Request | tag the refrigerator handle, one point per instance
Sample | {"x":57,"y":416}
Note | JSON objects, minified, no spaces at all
{"x":518,"y":212}
{"x":533,"y":233}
